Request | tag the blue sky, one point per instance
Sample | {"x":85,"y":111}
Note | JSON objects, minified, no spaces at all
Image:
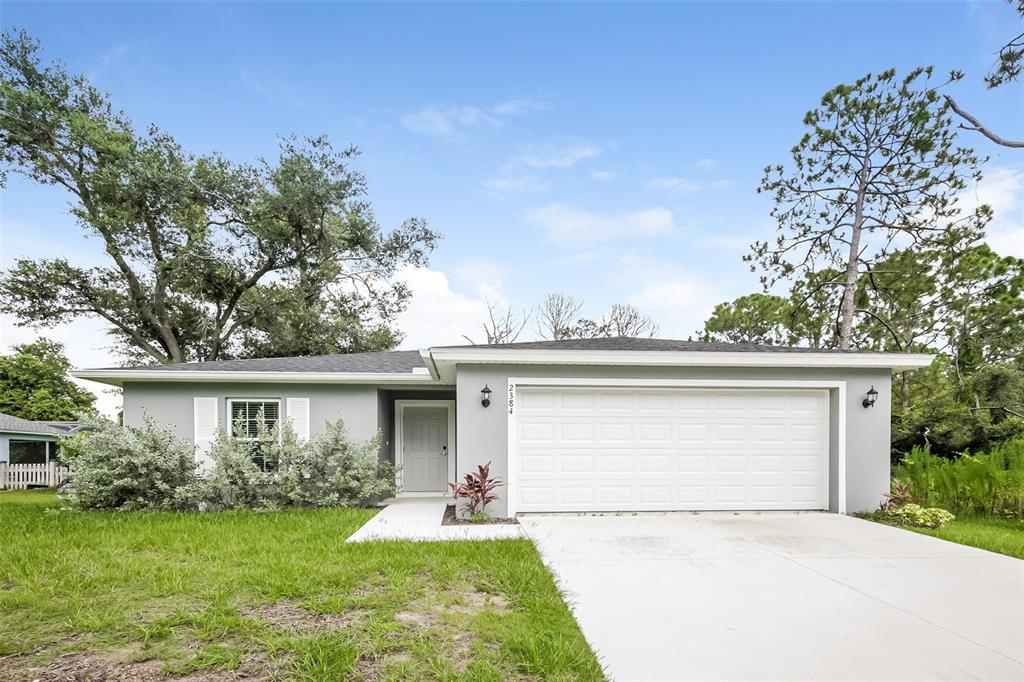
{"x":610,"y":151}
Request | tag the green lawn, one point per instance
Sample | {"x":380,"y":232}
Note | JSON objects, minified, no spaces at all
{"x":996,"y":535}
{"x":270,"y":595}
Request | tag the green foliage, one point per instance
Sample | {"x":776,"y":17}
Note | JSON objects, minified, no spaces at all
{"x":805,"y":318}
{"x":878,"y":164}
{"x":329,"y":471}
{"x":1010,"y":62}
{"x":916,"y":515}
{"x":34,"y":384}
{"x":208,"y":259}
{"x":955,"y":413}
{"x":985,"y":484}
{"x":126,"y":469}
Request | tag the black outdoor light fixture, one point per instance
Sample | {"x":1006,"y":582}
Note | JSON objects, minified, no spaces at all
{"x":485,"y":396}
{"x":869,"y":401}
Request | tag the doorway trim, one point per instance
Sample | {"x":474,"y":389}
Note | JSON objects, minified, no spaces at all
{"x":400,"y":406}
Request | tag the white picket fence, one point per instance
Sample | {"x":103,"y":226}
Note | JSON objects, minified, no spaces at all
{"x":22,"y":476}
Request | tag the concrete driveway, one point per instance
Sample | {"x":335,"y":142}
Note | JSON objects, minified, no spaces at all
{"x":784,"y":596}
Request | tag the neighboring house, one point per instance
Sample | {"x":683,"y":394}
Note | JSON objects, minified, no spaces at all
{"x":617,"y":424}
{"x":23,"y":441}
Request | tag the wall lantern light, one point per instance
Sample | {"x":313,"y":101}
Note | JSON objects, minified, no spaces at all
{"x":485,"y":396}
{"x":872,"y":396}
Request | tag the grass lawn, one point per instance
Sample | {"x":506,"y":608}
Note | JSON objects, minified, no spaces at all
{"x":140,"y":596}
{"x":996,"y":535}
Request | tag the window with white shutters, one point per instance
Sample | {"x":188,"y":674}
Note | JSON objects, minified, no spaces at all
{"x":256,"y":421}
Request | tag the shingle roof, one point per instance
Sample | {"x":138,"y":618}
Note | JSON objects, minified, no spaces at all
{"x":10,"y":423}
{"x":387,"y":362}
{"x":630,"y":343}
{"x":406,"y":361}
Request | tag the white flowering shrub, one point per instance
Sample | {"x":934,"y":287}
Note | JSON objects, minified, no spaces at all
{"x":918,"y":516}
{"x":117,"y":467}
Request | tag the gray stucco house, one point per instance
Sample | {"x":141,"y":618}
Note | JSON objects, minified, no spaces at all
{"x":617,"y":424}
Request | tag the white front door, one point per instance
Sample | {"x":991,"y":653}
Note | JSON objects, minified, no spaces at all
{"x":425,"y":448}
{"x":635,"y":449}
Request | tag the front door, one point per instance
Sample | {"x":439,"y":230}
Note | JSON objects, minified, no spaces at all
{"x":425,"y":448}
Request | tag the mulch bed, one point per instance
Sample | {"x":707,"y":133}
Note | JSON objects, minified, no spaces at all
{"x":450,"y":520}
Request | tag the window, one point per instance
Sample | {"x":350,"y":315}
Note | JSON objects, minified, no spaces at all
{"x":256,"y":421}
{"x":28,"y":452}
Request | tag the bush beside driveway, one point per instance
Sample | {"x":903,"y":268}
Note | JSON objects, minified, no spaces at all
{"x":272,"y":595}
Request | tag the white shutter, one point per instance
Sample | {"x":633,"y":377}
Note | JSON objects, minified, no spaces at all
{"x":298,"y":417}
{"x":206,"y":425}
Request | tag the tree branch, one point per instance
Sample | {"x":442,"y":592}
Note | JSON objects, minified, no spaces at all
{"x":977,"y":126}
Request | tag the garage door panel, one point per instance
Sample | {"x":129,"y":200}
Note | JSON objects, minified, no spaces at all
{"x":616,"y":463}
{"x":573,"y":463}
{"x":612,"y":449}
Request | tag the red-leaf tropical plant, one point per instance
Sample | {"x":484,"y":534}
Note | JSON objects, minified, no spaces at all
{"x":477,"y":489}
{"x":901,"y":494}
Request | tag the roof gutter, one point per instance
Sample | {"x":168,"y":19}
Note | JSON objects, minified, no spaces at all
{"x":428,"y":360}
{"x":118,"y":377}
{"x":898,"y":361}
{"x":35,"y":433}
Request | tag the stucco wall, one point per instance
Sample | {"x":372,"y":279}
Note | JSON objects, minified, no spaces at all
{"x":483,"y":433}
{"x":171,"y":404}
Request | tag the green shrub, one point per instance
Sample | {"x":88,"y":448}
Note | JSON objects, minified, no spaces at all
{"x":917,"y":516}
{"x":329,"y":471}
{"x":116,"y":467}
{"x":990,"y":483}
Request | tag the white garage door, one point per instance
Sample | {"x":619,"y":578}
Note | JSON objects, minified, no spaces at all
{"x":622,"y":449}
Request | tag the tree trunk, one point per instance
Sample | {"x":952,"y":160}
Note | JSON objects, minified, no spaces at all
{"x":846,"y":309}
{"x":852,"y":265}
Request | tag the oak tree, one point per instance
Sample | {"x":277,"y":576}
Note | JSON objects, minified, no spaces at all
{"x":208,"y":259}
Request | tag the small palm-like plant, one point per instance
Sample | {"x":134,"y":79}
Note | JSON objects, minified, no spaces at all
{"x":477,"y":488}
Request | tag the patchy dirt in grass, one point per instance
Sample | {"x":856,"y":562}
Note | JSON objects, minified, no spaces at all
{"x":419,"y":619}
{"x":84,"y":666}
{"x":449,"y":519}
{"x":288,"y":615}
{"x":473,"y":601}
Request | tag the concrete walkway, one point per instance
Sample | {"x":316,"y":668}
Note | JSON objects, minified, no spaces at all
{"x":784,"y":596}
{"x":419,"y":518}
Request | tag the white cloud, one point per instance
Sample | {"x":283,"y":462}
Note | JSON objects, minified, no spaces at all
{"x":518,"y":107}
{"x":568,"y":225}
{"x":708,"y":164}
{"x":524,"y":171}
{"x":436,"y":314}
{"x":687,"y":185}
{"x":603,"y":176}
{"x":555,"y":155}
{"x":516,"y":184}
{"x":85,"y":344}
{"x":1002,"y":189}
{"x":679,"y":303}
{"x":453,"y":121}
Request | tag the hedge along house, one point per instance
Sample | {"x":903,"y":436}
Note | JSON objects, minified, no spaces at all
{"x":587,"y":425}
{"x":23,"y":441}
